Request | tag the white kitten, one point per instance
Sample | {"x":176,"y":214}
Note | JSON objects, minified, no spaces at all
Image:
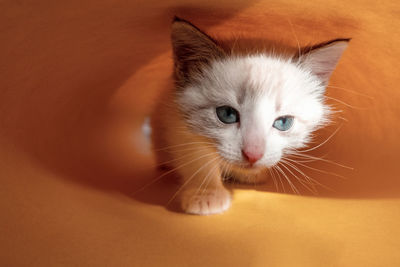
{"x":236,"y":113}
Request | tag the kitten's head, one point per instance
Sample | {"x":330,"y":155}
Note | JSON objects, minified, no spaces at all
{"x":255,"y":107}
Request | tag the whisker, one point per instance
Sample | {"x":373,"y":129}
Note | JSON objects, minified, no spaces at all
{"x":351,"y":91}
{"x":279,"y":178}
{"x":210,"y":178}
{"x":312,"y":181}
{"x":313,"y":190}
{"x":185,"y":144}
{"x":294,"y":33}
{"x":344,"y":103}
{"x":190,"y":179}
{"x":305,"y":161}
{"x":170,"y":171}
{"x":309,"y":179}
{"x":321,"y":144}
{"x":273,"y":179}
{"x":294,"y":189}
{"x":206,"y":177}
{"x":295,"y":154}
{"x":195,"y":150}
{"x":190,"y":148}
{"x":227,"y":168}
{"x":315,"y":169}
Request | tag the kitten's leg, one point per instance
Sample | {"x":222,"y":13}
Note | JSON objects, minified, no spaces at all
{"x":202,"y":191}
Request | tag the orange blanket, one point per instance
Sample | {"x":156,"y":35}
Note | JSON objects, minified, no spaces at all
{"x":77,"y":79}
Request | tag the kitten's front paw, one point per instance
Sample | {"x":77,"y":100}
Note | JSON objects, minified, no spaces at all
{"x":212,"y":201}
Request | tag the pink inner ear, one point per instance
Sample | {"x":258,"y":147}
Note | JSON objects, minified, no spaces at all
{"x":323,"y":75}
{"x":322,"y":61}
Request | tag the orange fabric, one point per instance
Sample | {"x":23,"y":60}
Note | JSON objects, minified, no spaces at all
{"x":78,"y":77}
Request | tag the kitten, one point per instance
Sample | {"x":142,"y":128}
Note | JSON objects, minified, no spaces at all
{"x":235,"y":113}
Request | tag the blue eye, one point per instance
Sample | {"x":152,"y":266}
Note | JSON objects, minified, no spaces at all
{"x":283,"y":123}
{"x":227,"y":114}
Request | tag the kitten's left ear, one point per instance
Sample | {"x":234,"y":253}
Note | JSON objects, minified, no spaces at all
{"x":192,"y":50}
{"x":322,"y":58}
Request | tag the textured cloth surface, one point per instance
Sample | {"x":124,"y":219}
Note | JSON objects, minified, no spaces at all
{"x":77,"y":79}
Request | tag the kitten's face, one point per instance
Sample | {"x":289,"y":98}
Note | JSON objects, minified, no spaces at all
{"x":263,"y":91}
{"x":255,"y":108}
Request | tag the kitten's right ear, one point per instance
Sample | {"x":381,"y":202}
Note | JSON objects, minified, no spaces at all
{"x":192,"y":50}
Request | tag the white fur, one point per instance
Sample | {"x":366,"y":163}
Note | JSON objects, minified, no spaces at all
{"x":268,"y":87}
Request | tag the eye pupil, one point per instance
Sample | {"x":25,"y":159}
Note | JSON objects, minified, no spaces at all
{"x":283,"y":123}
{"x":227,"y":114}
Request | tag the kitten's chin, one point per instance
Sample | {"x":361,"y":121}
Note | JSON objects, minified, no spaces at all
{"x":246,"y":167}
{"x":250,"y":168}
{"x":249,"y":174}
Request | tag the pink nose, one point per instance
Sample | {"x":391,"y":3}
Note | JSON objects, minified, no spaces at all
{"x":252,"y":155}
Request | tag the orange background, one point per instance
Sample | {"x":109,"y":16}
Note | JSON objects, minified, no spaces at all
{"x":78,"y":77}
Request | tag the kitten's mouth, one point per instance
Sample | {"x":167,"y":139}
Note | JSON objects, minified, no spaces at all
{"x":246,"y":166}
